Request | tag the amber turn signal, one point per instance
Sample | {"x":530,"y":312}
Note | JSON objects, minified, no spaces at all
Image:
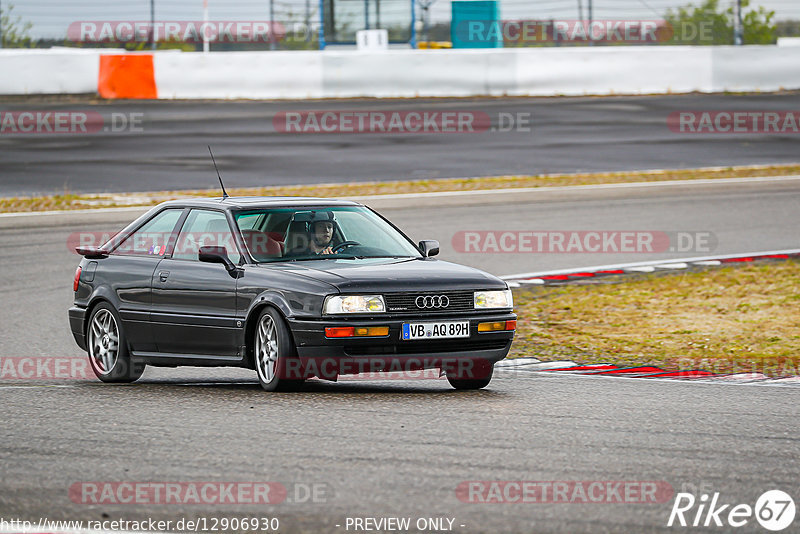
{"x":497,"y":326}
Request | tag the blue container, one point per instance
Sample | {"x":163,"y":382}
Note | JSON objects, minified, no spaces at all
{"x":476,"y":24}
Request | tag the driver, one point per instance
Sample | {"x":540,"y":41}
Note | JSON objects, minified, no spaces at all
{"x":318,"y":235}
{"x":320,"y":238}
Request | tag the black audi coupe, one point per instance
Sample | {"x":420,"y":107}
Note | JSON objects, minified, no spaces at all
{"x":291,"y":287}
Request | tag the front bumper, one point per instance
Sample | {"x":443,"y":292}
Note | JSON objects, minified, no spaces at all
{"x":329,"y":357}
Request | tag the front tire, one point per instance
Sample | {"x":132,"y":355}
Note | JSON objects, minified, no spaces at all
{"x":108,"y":348}
{"x":485,"y":376}
{"x":274,"y":353}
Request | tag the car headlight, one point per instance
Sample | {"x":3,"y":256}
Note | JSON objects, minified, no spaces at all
{"x":354,"y":304}
{"x":493,"y":299}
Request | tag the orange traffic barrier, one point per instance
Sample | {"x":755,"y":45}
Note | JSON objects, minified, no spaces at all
{"x":127,"y":76}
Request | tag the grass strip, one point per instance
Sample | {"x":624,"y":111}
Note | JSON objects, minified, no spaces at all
{"x":743,"y":318}
{"x":72,"y":201}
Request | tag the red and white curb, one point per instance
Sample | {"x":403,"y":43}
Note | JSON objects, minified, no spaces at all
{"x":697,"y":375}
{"x":566,"y":367}
{"x":571,"y":275}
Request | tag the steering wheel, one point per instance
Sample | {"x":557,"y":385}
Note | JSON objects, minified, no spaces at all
{"x":343,"y":245}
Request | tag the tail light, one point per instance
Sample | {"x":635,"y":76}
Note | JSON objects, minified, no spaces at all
{"x":77,"y":279}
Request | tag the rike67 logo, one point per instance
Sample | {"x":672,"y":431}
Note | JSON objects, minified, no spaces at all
{"x":774,"y":510}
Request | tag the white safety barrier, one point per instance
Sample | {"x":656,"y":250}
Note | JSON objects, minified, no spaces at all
{"x":744,"y":68}
{"x":254,"y":75}
{"x":49,"y":71}
{"x":615,"y":69}
{"x":597,"y":70}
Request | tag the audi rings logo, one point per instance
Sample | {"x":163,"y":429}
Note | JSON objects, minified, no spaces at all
{"x":432,"y":301}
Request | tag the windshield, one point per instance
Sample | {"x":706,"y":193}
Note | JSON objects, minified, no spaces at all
{"x":304,"y":234}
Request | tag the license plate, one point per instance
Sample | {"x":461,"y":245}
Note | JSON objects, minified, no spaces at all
{"x":443,"y":330}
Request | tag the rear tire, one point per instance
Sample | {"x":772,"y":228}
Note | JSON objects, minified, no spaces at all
{"x":108,"y":348}
{"x":274,"y":353}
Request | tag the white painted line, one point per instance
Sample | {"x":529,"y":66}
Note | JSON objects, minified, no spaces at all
{"x":515,"y":362}
{"x":788,"y":380}
{"x":740,"y":376}
{"x":672,"y":266}
{"x":533,"y":281}
{"x":692,"y":382}
{"x":624,"y":185}
{"x":643,"y":269}
{"x":595,"y":268}
{"x":555,"y":365}
{"x":709,"y":262}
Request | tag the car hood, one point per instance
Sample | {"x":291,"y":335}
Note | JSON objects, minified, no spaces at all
{"x":387,"y":275}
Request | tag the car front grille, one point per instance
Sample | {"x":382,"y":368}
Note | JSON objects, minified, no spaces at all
{"x":432,"y":302}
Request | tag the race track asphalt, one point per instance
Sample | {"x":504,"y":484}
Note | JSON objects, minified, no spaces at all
{"x":168,"y":151}
{"x":398,"y":448}
{"x":394,"y":448}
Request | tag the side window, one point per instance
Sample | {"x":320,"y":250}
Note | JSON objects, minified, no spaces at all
{"x":205,"y":228}
{"x":249,"y":221}
{"x":151,"y":239}
{"x":278,"y":222}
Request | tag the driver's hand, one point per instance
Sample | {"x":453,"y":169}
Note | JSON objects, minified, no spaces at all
{"x":327,"y":250}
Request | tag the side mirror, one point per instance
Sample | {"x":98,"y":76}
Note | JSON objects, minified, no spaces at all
{"x":429,"y":247}
{"x":217,"y":255}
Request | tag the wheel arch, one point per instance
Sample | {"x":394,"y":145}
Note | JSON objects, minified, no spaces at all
{"x":98,"y":298}
{"x":263,"y":301}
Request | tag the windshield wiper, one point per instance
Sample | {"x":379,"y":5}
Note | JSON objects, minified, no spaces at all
{"x":348,"y":257}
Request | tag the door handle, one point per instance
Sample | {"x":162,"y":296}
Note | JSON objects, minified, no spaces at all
{"x":163,"y":275}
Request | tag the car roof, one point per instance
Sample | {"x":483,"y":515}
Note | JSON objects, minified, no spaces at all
{"x":233,"y":203}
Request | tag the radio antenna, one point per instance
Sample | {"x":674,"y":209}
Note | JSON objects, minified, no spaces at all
{"x":224,"y":193}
